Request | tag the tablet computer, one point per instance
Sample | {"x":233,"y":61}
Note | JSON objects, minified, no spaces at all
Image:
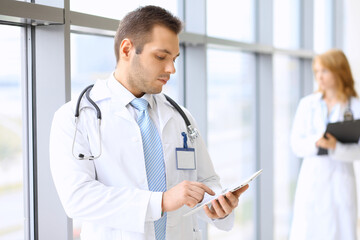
{"x":233,"y":188}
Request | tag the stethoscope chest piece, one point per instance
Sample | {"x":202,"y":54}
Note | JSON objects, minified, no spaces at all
{"x":348,"y":114}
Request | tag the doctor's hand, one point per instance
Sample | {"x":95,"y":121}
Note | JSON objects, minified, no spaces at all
{"x":185,"y":193}
{"x":328,"y":143}
{"x":225,"y":204}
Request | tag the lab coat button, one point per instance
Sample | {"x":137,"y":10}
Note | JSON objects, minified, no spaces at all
{"x":134,"y":139}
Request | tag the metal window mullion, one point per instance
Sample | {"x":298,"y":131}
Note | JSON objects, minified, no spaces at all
{"x":28,"y":135}
{"x":51,"y":82}
{"x":338,"y":23}
{"x":264,"y":122}
{"x":195,"y":69}
{"x":190,"y":38}
{"x":31,"y":11}
{"x":91,"y":21}
{"x":307,"y":42}
{"x":50,"y":87}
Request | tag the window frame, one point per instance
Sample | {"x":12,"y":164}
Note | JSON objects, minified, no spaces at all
{"x":43,"y":22}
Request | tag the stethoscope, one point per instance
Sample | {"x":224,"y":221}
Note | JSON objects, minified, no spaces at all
{"x":192,"y":132}
{"x":348,"y":114}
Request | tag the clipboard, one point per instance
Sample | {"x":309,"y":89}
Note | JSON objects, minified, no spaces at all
{"x":344,"y":132}
{"x":235,"y":187}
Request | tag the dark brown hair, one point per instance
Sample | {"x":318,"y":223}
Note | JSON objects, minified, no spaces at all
{"x":336,"y":62}
{"x":138,"y":24}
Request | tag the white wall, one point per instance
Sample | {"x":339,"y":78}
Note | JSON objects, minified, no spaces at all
{"x":352,"y":37}
{"x":352,"y":50}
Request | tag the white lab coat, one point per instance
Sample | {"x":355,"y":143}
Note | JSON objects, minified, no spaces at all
{"x":325,"y":201}
{"x":110,"y":194}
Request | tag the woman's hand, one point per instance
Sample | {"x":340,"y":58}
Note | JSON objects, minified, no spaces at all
{"x":328,"y":143}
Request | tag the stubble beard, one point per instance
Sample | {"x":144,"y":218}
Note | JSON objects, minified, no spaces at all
{"x":138,"y":80}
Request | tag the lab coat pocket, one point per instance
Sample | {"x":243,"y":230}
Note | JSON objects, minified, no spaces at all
{"x":189,"y":175}
{"x":197,"y":234}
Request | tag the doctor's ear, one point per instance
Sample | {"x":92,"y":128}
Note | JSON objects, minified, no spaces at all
{"x":125,"y":48}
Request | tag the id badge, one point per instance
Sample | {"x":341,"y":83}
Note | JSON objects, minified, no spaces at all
{"x":185,"y":158}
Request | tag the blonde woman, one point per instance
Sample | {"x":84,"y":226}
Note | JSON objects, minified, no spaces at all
{"x":325,"y":200}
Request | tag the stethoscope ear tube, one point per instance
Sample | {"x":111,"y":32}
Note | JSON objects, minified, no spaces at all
{"x":178,"y":108}
{"x":193,"y":132}
{"x":87,"y":90}
{"x":98,"y":112}
{"x":77,"y":109}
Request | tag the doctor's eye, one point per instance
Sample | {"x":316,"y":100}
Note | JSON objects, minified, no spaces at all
{"x":160,"y":58}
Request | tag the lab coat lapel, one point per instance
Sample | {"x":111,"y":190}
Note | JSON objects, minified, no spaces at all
{"x":120,"y":110}
{"x":165,"y":111}
{"x":101,"y":91}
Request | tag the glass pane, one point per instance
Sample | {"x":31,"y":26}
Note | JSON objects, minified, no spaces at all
{"x":231,"y":135}
{"x":286,"y":165}
{"x":118,"y":9}
{"x":92,"y":57}
{"x":11,"y":161}
{"x":87,"y":67}
{"x":322,"y":25}
{"x":287,"y":24}
{"x":236,"y":22}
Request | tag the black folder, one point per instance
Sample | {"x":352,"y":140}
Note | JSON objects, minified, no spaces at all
{"x":344,"y":132}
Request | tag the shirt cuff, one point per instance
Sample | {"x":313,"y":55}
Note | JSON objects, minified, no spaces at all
{"x":154,"y":210}
{"x":226,"y":223}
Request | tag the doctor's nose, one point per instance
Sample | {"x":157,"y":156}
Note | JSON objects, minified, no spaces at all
{"x":170,"y":68}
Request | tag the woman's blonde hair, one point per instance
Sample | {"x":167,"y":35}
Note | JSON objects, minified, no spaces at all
{"x":336,"y":62}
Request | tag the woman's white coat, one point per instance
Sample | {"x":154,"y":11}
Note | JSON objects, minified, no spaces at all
{"x":325,"y":200}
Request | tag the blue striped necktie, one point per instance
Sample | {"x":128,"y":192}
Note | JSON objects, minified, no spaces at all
{"x":154,"y":158}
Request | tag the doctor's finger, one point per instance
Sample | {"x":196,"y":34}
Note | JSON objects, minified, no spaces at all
{"x":198,"y":196}
{"x":200,"y":187}
{"x":225,"y":205}
{"x":191,"y":202}
{"x":232,"y":199}
{"x":240,"y":191}
{"x":218,"y":209}
{"x":210,"y":212}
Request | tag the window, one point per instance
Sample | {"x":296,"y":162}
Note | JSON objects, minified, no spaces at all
{"x":11,"y":159}
{"x":236,"y":22}
{"x":92,"y":57}
{"x":227,"y":89}
{"x":87,"y":68}
{"x":231,"y":135}
{"x":322,"y":26}
{"x":286,"y":165}
{"x":286,"y":24}
{"x":118,"y":9}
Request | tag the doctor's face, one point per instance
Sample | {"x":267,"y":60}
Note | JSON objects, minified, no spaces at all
{"x":324,"y":77}
{"x":150,"y":70}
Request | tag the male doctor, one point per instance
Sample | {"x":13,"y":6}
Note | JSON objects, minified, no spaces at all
{"x":135,"y":189}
